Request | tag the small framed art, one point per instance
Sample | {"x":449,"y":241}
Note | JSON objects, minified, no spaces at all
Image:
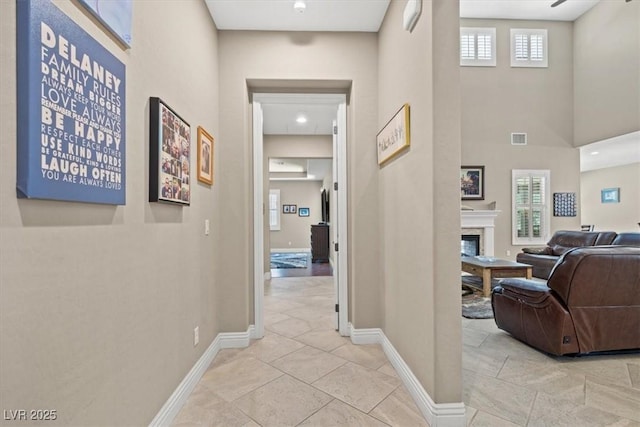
{"x":564,"y":204}
{"x":472,"y":182}
{"x":205,"y":156}
{"x":610,"y":195}
{"x":303,"y":212}
{"x":169,"y":155}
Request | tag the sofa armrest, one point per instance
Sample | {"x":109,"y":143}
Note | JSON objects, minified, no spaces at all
{"x":529,"y":291}
{"x":537,"y":251}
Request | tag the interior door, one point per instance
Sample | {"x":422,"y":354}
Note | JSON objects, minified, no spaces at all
{"x":333,"y":221}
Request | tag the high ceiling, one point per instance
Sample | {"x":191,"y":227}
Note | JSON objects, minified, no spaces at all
{"x":366,"y":16}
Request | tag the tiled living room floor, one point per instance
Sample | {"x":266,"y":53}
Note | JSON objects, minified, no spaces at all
{"x":303,"y":373}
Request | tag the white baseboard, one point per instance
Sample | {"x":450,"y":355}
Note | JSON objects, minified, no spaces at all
{"x":179,"y":397}
{"x":436,"y":414}
{"x":287,"y":250}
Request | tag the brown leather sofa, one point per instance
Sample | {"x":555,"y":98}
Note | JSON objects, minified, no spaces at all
{"x":590,"y":303}
{"x":543,"y":259}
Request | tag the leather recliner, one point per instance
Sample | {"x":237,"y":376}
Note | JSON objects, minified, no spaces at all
{"x":590,"y":303}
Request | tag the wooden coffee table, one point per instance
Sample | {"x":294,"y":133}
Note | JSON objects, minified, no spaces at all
{"x":489,"y":267}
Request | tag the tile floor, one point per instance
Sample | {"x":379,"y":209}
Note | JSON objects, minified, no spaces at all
{"x":303,"y":373}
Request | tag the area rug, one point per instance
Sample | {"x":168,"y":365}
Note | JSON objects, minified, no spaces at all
{"x":475,"y":306}
{"x":289,"y":260}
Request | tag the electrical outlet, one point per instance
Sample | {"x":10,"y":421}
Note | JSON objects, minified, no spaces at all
{"x":508,"y":252}
{"x":196,"y":336}
{"x":206,"y":227}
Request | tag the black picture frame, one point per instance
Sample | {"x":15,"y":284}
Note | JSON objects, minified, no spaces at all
{"x":303,"y":212}
{"x":169,"y":155}
{"x":472,"y":182}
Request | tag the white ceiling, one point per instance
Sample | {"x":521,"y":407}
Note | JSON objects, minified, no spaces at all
{"x":570,"y":10}
{"x":618,"y":151}
{"x":279,"y":15}
{"x":295,"y":169}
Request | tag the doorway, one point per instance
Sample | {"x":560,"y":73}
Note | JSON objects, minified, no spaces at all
{"x":338,"y":237}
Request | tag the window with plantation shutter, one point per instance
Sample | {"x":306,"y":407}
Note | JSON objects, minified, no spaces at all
{"x":528,"y":48}
{"x":531,"y":200}
{"x":274,"y":210}
{"x":478,"y":47}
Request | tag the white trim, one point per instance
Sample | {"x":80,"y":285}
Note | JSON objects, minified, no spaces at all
{"x":180,"y":395}
{"x":342,"y":223}
{"x":258,"y":204}
{"x":258,"y":224}
{"x":436,"y":414}
{"x":290,"y":250}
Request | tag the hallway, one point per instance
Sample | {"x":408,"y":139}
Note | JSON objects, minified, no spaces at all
{"x":301,"y":373}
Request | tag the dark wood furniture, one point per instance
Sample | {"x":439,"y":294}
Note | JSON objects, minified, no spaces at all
{"x":319,"y":243}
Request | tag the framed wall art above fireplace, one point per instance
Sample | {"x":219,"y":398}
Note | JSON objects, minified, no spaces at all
{"x":472,"y":182}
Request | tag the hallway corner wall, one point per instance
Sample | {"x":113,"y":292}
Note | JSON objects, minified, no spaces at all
{"x":305,"y":58}
{"x":98,"y":303}
{"x":419,"y":196}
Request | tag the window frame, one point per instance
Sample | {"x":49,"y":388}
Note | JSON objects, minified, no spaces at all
{"x":475,"y":61}
{"x":530,"y":63}
{"x":274,"y":226}
{"x":545,"y":207}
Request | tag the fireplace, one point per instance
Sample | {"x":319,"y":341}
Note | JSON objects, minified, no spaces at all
{"x":480,"y":223}
{"x":470,"y":245}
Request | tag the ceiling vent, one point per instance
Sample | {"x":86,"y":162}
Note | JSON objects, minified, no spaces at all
{"x":518,"y":138}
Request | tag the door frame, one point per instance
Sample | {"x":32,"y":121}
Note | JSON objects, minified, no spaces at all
{"x":257,"y":99}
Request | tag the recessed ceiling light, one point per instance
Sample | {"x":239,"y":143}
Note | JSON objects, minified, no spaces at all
{"x":299,"y":6}
{"x":595,"y":153}
{"x":301,"y":119}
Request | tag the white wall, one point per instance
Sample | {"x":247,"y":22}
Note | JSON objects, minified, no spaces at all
{"x":98,"y":303}
{"x":619,"y":217}
{"x":295,"y":231}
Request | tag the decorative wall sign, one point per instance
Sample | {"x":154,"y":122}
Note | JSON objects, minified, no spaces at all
{"x":394,"y":136}
{"x":71,"y":110}
{"x":564,"y":204}
{"x":115,"y":15}
{"x":169,"y":155}
{"x":610,"y":195}
{"x":205,"y":156}
{"x":472,"y":182}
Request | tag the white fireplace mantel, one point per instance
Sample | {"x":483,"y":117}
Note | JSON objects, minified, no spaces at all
{"x":484,"y":219}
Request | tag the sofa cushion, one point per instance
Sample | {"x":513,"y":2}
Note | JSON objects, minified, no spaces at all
{"x":627,"y":239}
{"x":605,"y":238}
{"x":573,"y":239}
{"x":558,"y":250}
{"x":537,"y":251}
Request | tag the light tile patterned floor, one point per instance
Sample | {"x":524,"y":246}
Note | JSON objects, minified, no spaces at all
{"x":303,"y":373}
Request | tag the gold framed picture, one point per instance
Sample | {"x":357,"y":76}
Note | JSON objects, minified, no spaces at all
{"x":394,"y":136}
{"x":205,"y":156}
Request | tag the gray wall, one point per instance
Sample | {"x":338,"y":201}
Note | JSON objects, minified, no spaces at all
{"x":623,"y":216}
{"x":295,"y":231}
{"x":297,"y":59}
{"x":296,"y":146}
{"x":607,"y":71}
{"x":539,"y":101}
{"x":98,"y":303}
{"x":419,"y":196}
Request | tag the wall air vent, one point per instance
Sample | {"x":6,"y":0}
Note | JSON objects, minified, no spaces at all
{"x":518,"y":138}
